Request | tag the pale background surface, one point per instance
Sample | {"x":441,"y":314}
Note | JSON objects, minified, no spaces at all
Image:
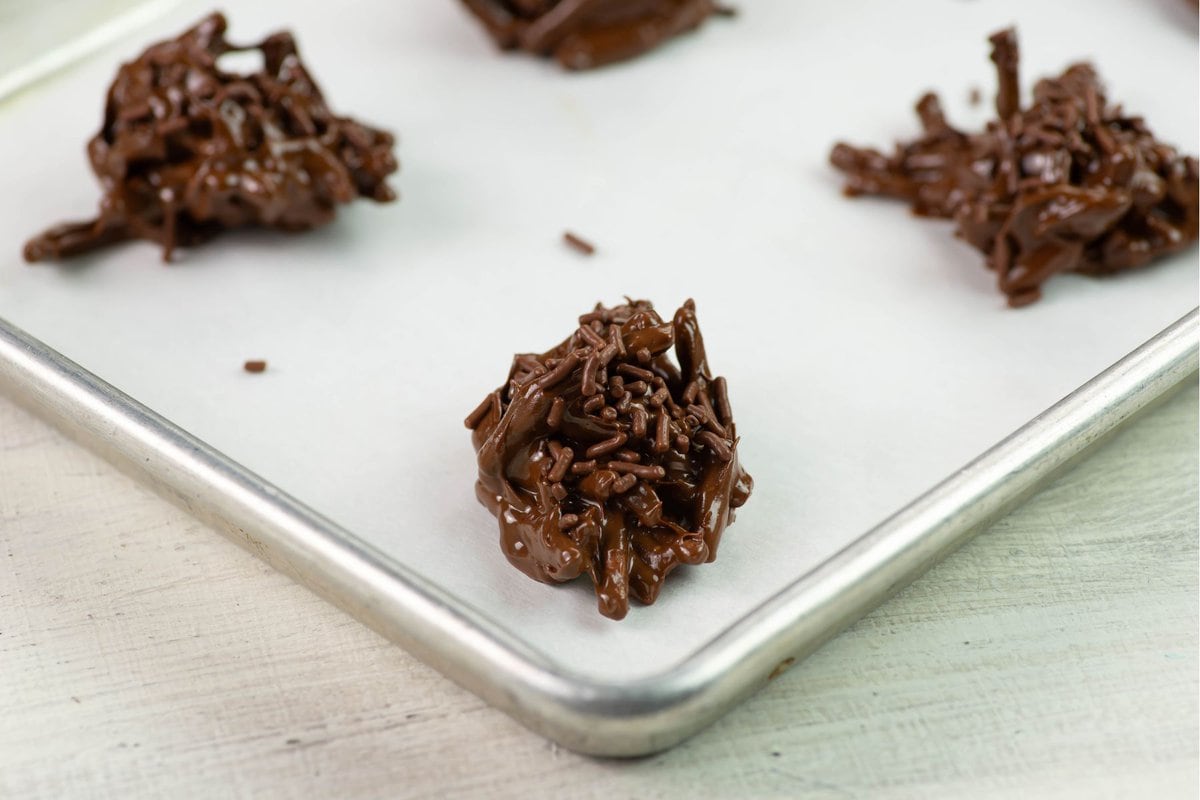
{"x":142,"y":655}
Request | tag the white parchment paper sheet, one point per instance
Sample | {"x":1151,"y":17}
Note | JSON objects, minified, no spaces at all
{"x":868,"y":353}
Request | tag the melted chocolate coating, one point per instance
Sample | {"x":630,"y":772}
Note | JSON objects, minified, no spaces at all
{"x":582,"y":34}
{"x":1069,"y":184}
{"x":187,"y":150}
{"x":603,"y":457}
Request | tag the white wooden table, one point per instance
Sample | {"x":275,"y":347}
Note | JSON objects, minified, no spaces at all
{"x":141,"y":655}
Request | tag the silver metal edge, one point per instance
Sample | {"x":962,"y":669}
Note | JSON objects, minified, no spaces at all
{"x":85,"y":44}
{"x":599,"y":718}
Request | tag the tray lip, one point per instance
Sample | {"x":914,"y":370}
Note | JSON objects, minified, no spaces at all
{"x":62,"y":57}
{"x":610,"y":718}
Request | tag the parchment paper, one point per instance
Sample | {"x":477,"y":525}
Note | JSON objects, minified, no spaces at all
{"x":868,"y":353}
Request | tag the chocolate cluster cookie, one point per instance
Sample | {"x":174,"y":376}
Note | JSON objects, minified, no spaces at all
{"x":603,"y":457}
{"x":1066,"y":184}
{"x":187,"y":149}
{"x":582,"y":34}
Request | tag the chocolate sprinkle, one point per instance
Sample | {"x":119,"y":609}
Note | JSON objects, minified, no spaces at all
{"x":1068,"y":184}
{"x":637,"y":507}
{"x":582,"y":245}
{"x":583,"y":34}
{"x":255,"y":366}
{"x":188,"y":150}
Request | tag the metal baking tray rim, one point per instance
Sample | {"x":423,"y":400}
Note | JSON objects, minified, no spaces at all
{"x":596,"y":717}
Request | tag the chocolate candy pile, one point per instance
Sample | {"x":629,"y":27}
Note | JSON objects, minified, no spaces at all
{"x":1068,"y":184}
{"x":187,"y":149}
{"x":582,"y":34}
{"x":603,"y":457}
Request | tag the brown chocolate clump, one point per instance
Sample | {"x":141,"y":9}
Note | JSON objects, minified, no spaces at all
{"x":603,"y":457}
{"x":187,"y":150}
{"x":1068,"y":184}
{"x":582,"y":34}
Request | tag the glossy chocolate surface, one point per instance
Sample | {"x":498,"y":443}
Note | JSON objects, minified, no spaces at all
{"x":187,"y":149}
{"x":602,"y":457}
{"x":1067,"y":184}
{"x":582,"y":34}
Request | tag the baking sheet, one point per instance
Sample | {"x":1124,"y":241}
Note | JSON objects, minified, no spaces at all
{"x":868,"y":355}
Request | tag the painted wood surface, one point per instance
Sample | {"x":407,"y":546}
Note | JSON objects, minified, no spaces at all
{"x":142,"y":655}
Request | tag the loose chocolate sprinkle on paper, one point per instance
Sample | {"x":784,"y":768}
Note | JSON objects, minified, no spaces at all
{"x":187,"y":150}
{"x":582,"y":34}
{"x":582,"y":245}
{"x":1068,"y":184}
{"x":255,"y":366}
{"x":654,"y":489}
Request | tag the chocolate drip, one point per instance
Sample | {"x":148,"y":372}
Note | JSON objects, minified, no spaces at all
{"x":1068,"y":184}
{"x":602,"y":457}
{"x":582,"y":34}
{"x":187,"y":149}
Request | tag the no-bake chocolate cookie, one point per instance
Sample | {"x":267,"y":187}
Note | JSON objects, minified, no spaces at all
{"x":187,"y":149}
{"x":603,"y":457}
{"x":1066,"y":184}
{"x":582,"y":34}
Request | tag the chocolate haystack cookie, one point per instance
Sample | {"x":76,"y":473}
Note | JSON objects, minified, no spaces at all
{"x":582,"y":34}
{"x":603,"y":457}
{"x":187,"y":149}
{"x":1068,"y":184}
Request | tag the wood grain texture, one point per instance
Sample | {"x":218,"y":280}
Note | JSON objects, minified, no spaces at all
{"x":143,"y":655}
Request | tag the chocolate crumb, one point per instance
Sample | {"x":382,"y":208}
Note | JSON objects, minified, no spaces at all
{"x":781,"y":668}
{"x":584,"y":34}
{"x":635,"y":507}
{"x":255,"y":366}
{"x":1066,"y":184}
{"x":975,"y":96}
{"x":187,"y":149}
{"x":582,"y":245}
